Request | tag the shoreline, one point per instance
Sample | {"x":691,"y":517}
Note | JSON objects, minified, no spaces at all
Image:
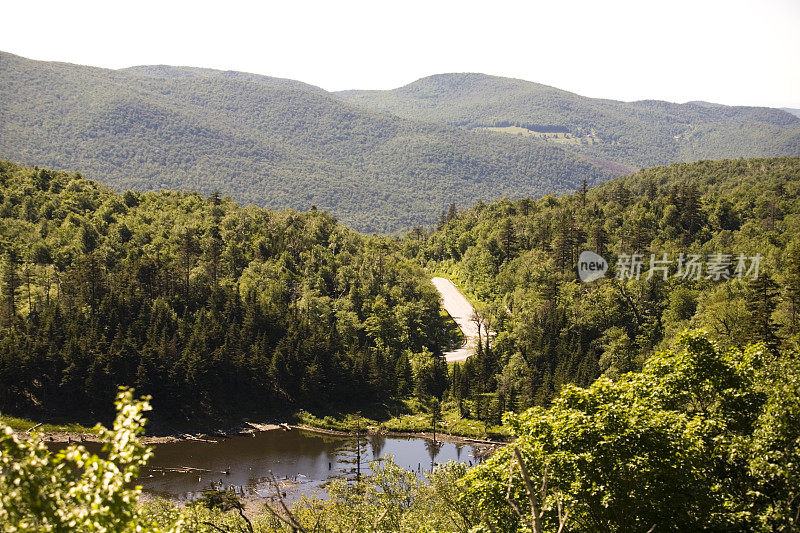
{"x":77,"y":437}
{"x":440,"y":437}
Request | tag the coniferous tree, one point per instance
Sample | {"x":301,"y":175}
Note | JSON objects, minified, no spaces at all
{"x":11,"y":282}
{"x":762,"y":295}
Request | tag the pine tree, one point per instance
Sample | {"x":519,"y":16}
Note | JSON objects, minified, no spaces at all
{"x":451,"y":212}
{"x":11,"y":282}
{"x":762,"y":295}
{"x":584,"y":190}
{"x":187,"y":253}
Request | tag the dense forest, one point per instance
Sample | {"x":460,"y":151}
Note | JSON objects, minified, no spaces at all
{"x":213,"y":309}
{"x":271,"y":142}
{"x":218,"y":309}
{"x":518,"y":261}
{"x":635,"y":134}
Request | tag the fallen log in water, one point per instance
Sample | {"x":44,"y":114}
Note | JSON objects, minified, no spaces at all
{"x":262,"y":427}
{"x":181,"y":469}
{"x":187,"y":470}
{"x":198,"y":439}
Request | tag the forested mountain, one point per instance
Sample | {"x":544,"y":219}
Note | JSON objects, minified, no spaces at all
{"x":378,"y":160}
{"x":519,"y":258}
{"x":637,"y":134}
{"x":275,"y":143}
{"x":168,"y":71}
{"x":214,"y":309}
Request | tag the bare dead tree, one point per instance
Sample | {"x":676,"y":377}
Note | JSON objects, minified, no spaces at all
{"x":378,"y":520}
{"x":288,"y":518}
{"x":537,"y":511}
{"x":513,"y":504}
{"x":563,"y":515}
{"x":477,"y":318}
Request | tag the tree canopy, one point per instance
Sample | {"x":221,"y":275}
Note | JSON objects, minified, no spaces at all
{"x":211,"y":308}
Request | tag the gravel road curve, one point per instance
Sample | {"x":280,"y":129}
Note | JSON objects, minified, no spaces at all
{"x":461,"y":310}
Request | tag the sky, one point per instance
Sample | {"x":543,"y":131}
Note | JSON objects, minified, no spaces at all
{"x":732,"y":52}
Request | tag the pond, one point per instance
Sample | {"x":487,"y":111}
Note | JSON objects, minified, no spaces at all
{"x":303,"y":460}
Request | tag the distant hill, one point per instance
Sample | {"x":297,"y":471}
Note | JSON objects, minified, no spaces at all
{"x":168,"y":71}
{"x":640,"y":134}
{"x":795,"y":112}
{"x":378,"y":160}
{"x":273,"y":142}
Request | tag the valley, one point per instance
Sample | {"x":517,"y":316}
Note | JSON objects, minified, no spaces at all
{"x":388,"y":281}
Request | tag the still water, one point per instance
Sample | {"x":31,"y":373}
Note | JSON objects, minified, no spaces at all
{"x":243,"y":463}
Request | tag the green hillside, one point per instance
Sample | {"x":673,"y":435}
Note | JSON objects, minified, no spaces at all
{"x":638,"y":134}
{"x":378,"y":160}
{"x":275,"y":143}
{"x":217,"y":310}
{"x":519,"y":258}
{"x":793,"y":111}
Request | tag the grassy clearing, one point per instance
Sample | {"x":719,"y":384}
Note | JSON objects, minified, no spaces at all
{"x":451,"y":423}
{"x":559,"y":137}
{"x":416,"y":420}
{"x":337,"y":423}
{"x":24,"y":424}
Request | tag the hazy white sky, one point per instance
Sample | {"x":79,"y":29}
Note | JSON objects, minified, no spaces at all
{"x":731,"y":51}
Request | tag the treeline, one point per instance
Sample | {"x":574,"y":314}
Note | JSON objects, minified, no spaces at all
{"x":213,"y":309}
{"x":518,"y":260}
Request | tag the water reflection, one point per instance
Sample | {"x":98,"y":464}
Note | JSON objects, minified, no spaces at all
{"x":433,"y":449}
{"x":242,"y":463}
{"x":377,"y":442}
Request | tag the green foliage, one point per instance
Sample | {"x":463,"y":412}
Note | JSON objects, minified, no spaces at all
{"x":73,"y":490}
{"x":271,"y":142}
{"x":519,"y":259}
{"x":24,"y":424}
{"x":632,"y":134}
{"x":216,"y":310}
{"x":694,"y":441}
{"x":391,"y":499}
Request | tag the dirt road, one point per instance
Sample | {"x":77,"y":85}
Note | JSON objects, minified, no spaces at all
{"x":461,"y":310}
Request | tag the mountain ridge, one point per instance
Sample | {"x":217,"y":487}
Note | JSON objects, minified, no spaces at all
{"x":378,"y":160}
{"x":641,"y":133}
{"x":264,"y":142}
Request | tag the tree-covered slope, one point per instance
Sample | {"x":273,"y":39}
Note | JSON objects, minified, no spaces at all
{"x":519,"y":258}
{"x":275,"y":143}
{"x":169,"y":71}
{"x":639,"y":134}
{"x":214,"y":309}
